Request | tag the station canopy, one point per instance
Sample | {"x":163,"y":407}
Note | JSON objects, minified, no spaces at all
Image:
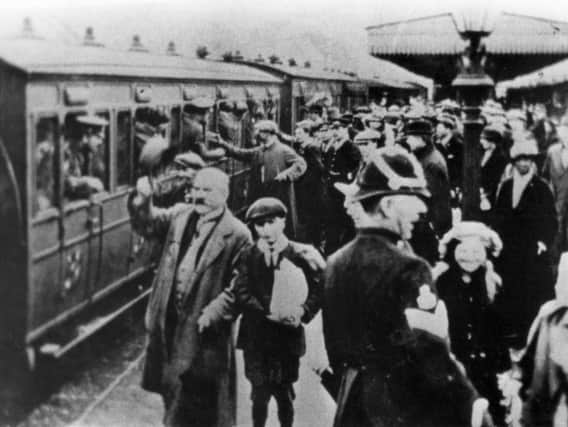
{"x":548,"y":76}
{"x":431,"y":45}
{"x":438,"y":35}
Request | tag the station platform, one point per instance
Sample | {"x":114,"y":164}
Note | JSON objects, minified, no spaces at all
{"x":125,"y":404}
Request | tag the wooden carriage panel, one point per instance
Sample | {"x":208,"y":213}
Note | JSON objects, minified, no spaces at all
{"x":111,"y":239}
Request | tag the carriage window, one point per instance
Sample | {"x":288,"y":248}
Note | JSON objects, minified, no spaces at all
{"x":123,"y":155}
{"x":175,"y":126}
{"x":148,"y":122}
{"x":85,"y":155}
{"x":45,"y":161}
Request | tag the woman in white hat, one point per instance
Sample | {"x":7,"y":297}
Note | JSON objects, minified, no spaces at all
{"x":525,"y":218}
{"x":468,"y":286}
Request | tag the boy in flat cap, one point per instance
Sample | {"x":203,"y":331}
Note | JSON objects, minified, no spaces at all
{"x":278,"y":288}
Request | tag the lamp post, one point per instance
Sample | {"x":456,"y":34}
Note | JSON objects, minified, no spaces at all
{"x":473,"y":86}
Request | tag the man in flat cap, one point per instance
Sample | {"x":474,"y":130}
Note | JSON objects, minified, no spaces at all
{"x":385,"y":330}
{"x":368,"y":141}
{"x":278,"y":287}
{"x":84,"y":168}
{"x":195,"y":135}
{"x":280,"y":166}
{"x":189,"y":319}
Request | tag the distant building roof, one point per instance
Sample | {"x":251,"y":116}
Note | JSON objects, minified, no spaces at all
{"x":386,"y":73}
{"x":300,"y":71}
{"x":35,"y":56}
{"x":548,"y":76}
{"x":438,"y":35}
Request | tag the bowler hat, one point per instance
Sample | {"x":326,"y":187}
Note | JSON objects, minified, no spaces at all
{"x":363,"y":109}
{"x":367,"y":135}
{"x":265,"y":207}
{"x":390,"y":170}
{"x":492,"y":134}
{"x":346,"y":118}
{"x":420,"y":127}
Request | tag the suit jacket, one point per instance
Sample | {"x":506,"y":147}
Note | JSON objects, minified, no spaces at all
{"x":392,"y":375}
{"x":203,"y":358}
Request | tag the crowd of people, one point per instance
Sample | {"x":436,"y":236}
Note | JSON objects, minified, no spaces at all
{"x":358,"y":214}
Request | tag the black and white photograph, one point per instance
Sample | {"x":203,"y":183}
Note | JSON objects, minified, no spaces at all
{"x":300,"y":213}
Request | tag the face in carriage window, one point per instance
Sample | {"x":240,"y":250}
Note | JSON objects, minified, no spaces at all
{"x":85,"y":164}
{"x":46,"y":131}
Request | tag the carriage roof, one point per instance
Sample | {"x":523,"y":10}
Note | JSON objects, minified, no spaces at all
{"x":302,"y":72}
{"x":37,"y":56}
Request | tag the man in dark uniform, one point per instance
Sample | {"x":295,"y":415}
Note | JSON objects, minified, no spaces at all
{"x":385,"y":332}
{"x":341,"y":160}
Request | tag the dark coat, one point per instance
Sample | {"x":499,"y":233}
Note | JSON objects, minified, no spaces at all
{"x":392,"y":375}
{"x":453,"y":154}
{"x":475,"y":331}
{"x":544,"y":131}
{"x":259,"y":336}
{"x":438,"y":183}
{"x":527,"y":276}
{"x":492,"y":173}
{"x":193,"y":362}
{"x":311,"y":194}
{"x":270,"y":161}
{"x":341,"y":165}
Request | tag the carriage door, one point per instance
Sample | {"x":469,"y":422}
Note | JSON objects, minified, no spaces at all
{"x":85,"y":175}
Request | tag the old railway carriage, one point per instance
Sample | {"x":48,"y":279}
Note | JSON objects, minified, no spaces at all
{"x":301,"y":84}
{"x":68,"y":265}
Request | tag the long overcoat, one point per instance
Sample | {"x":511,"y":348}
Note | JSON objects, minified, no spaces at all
{"x":392,"y":375}
{"x":193,"y":364}
{"x":557,"y":174}
{"x":271,"y":161}
{"x":526,"y":271}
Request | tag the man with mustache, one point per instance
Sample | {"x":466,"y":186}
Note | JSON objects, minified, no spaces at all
{"x":190,"y":354}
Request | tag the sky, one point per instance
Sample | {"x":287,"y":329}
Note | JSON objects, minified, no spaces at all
{"x":301,"y":26}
